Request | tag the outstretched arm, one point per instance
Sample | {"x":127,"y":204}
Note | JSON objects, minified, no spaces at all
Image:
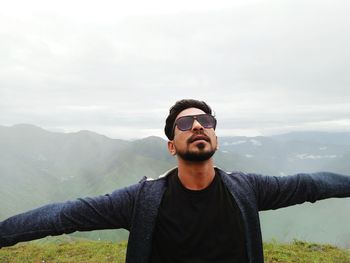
{"x":274,"y":192}
{"x":104,"y":212}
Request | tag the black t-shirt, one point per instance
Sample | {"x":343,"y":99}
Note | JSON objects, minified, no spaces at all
{"x":198,"y":226}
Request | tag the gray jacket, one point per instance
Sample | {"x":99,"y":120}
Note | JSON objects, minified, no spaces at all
{"x":135,"y":208}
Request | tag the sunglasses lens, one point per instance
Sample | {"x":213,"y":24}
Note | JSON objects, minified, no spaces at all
{"x":185,"y":123}
{"x":207,"y":121}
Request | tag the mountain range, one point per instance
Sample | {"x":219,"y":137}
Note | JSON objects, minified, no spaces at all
{"x":38,"y":167}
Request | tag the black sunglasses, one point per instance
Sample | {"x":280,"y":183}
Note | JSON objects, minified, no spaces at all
{"x":185,"y":123}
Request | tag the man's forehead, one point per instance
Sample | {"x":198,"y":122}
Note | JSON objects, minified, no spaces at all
{"x":189,"y":111}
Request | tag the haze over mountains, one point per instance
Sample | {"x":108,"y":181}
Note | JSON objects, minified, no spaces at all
{"x":38,"y":167}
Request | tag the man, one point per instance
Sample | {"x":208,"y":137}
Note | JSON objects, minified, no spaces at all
{"x":193,"y":213}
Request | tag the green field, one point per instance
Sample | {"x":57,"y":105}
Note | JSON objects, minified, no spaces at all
{"x":98,"y":251}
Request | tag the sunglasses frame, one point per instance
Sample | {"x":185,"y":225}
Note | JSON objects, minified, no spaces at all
{"x":195,"y":117}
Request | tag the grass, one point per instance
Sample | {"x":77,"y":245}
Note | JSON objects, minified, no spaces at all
{"x":77,"y":251}
{"x":304,"y":252}
{"x":103,"y":252}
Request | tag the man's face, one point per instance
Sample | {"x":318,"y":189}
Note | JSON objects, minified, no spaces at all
{"x":196,"y":144}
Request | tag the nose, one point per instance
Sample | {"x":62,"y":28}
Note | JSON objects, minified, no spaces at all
{"x":196,"y":126}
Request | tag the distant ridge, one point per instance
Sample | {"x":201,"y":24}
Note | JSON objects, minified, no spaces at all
{"x":294,"y":135}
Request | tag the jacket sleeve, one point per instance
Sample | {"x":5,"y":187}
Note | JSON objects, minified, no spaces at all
{"x":273,"y":192}
{"x":109,"y":211}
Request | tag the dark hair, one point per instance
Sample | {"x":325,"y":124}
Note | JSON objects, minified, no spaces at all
{"x":177,"y":108}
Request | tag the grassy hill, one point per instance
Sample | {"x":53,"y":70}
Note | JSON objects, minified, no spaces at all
{"x":97,"y":251}
{"x":38,"y":167}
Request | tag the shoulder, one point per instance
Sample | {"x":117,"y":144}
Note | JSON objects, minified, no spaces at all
{"x":237,"y":175}
{"x":154,"y":186}
{"x":161,"y":178}
{"x":241,"y":180}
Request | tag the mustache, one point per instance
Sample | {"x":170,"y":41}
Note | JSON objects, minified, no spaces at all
{"x":198,"y":136}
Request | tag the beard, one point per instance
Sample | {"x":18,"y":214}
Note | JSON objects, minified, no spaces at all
{"x":198,"y":156}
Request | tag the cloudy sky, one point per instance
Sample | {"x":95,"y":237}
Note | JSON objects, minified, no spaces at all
{"x":115,"y":67}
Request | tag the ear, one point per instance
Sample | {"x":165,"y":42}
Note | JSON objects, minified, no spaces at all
{"x":217,"y":143}
{"x":171,"y":147}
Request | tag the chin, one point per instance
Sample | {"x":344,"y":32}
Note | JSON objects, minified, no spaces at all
{"x":195,"y":156}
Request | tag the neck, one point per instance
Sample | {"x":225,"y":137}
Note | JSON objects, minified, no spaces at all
{"x":196,"y":175}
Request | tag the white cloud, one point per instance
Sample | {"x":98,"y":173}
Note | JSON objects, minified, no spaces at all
{"x":264,"y":66}
{"x":234,"y":143}
{"x":315,"y":157}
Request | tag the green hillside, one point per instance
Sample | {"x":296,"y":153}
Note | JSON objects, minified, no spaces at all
{"x":38,"y":167}
{"x":97,"y":251}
